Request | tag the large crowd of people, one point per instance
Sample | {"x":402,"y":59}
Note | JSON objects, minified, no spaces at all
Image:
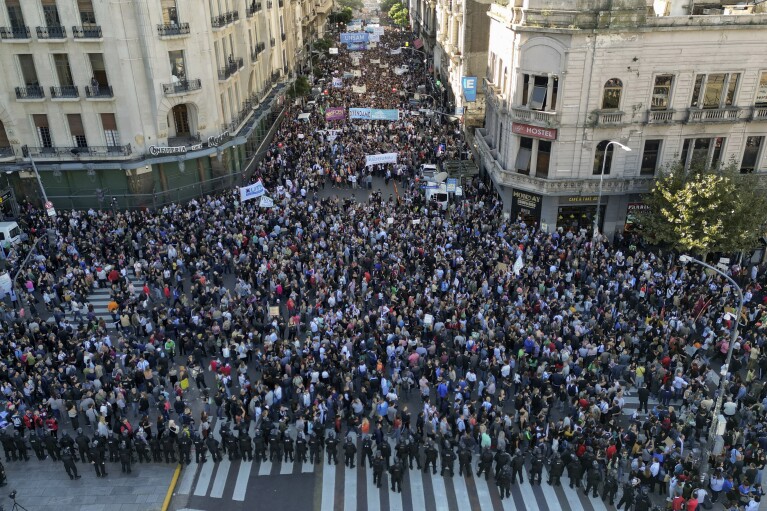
{"x":458,"y":334}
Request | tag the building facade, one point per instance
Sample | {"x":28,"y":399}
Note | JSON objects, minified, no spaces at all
{"x":135,"y":99}
{"x":670,"y":84}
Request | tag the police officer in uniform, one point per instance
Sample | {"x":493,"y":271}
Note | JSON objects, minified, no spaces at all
{"x":504,"y":480}
{"x":199,"y":449}
{"x":82,"y":442}
{"x":52,"y":446}
{"x":593,"y":477}
{"x":414,"y":452}
{"x":37,"y":447}
{"x":378,"y":469}
{"x":448,"y":461}
{"x":350,"y":452}
{"x":536,"y":467}
{"x":275,"y":446}
{"x":126,"y":456}
{"x":331,"y":444}
{"x":114,"y":447}
{"x":287,"y":446}
{"x":67,"y":456}
{"x":301,"y":448}
{"x":517,"y":467}
{"x":464,"y":462}
{"x":395,"y":474}
{"x":142,"y":449}
{"x":556,"y":470}
{"x":575,"y":472}
{"x":8,"y":446}
{"x":386,"y":453}
{"x":367,"y":450}
{"x":260,"y":446}
{"x":431,"y":457}
{"x":214,"y":448}
{"x":156,"y":447}
{"x":315,"y":455}
{"x":96,"y":455}
{"x":628,"y":494}
{"x":21,"y":446}
{"x":232,"y":447}
{"x":485,"y":463}
{"x":401,"y":451}
{"x":169,"y":447}
{"x":246,"y":446}
{"x":610,"y":487}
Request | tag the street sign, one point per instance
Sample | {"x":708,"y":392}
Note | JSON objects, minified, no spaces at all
{"x":451,"y":184}
{"x":50,"y":209}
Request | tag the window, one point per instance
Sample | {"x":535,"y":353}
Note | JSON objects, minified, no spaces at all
{"x":542,"y":162}
{"x":181,"y":120}
{"x":611,"y":100}
{"x":761,"y":91}
{"x":76,"y":130}
{"x":522,"y":165}
{"x":535,"y":91}
{"x":751,"y":154}
{"x":28,"y":72}
{"x":169,"y":12}
{"x":43,"y":130}
{"x":601,"y":158}
{"x":87,"y":16}
{"x":714,"y":90}
{"x":661,"y":92}
{"x":51,"y":14}
{"x":63,"y":71}
{"x":705,"y":152}
{"x":4,"y":142}
{"x":15,"y":16}
{"x":98,"y":69}
{"x":650,"y":156}
{"x":109,"y":124}
{"x":177,"y":64}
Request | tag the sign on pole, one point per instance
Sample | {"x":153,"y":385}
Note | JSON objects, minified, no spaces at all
{"x":50,"y":209}
{"x":266,"y":202}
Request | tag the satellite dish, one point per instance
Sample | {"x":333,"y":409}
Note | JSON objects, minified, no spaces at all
{"x":441,"y":177}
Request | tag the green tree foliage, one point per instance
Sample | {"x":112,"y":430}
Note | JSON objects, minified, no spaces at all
{"x":300,"y":87}
{"x":386,"y":5}
{"x":705,"y":210}
{"x":344,"y":16}
{"x":399,"y":14}
{"x":352,"y":4}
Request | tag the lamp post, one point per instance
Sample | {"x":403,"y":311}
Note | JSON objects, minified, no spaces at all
{"x":599,"y":199}
{"x":25,"y":152}
{"x":712,"y":432}
{"x":15,"y":284}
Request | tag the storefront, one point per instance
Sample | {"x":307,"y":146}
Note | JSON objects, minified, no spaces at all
{"x":633,"y":210}
{"x":526,"y":206}
{"x":577,"y":212}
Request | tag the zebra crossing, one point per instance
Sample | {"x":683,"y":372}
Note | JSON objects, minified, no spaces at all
{"x":99,"y":298}
{"x":347,"y":489}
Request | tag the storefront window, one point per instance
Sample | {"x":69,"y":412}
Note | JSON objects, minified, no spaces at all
{"x":575,"y":218}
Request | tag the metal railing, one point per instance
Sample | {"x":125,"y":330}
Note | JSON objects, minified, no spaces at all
{"x":171,"y":29}
{"x":283,"y":36}
{"x":272,"y":42}
{"x":87,"y":32}
{"x":230,"y":69}
{"x":7,"y":152}
{"x":102,"y":91}
{"x":80,"y":152}
{"x":186,"y":140}
{"x":54,"y":32}
{"x":281,"y":3}
{"x":182,"y":86}
{"x":253,"y":9}
{"x":15,"y":33}
{"x":65,"y":91}
{"x":30,"y":92}
{"x":225,"y":19}
{"x":269,"y":4}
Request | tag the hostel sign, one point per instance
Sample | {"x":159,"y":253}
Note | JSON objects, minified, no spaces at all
{"x":528,"y":130}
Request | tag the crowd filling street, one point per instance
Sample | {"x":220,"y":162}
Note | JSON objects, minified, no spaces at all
{"x":336,"y":326}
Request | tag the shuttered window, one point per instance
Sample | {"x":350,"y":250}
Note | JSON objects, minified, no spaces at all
{"x":76,"y":130}
{"x":109,"y":123}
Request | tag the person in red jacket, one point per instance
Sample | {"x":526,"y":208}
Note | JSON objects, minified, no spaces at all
{"x":53,"y":426}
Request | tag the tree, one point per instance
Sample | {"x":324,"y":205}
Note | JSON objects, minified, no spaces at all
{"x":399,"y":14}
{"x":300,"y":87}
{"x":386,"y":5}
{"x":345,"y":16}
{"x":705,"y":209}
{"x":352,"y":4}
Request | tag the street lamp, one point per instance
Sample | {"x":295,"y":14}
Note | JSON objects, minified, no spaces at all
{"x":601,"y":180}
{"x":25,"y":152}
{"x":712,"y":434}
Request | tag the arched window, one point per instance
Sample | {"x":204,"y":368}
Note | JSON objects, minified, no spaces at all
{"x":611,"y":99}
{"x":601,"y":158}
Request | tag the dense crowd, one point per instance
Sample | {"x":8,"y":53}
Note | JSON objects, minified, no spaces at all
{"x":458,"y":333}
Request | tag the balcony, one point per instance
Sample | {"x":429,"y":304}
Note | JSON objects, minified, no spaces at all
{"x":231,"y":68}
{"x":33,"y":92}
{"x":181,"y":87}
{"x":7,"y":152}
{"x":557,"y":187}
{"x":80,"y":152}
{"x":759,"y":113}
{"x":65,"y":92}
{"x":281,"y":3}
{"x":253,"y":9}
{"x":186,"y":141}
{"x":272,"y":42}
{"x":87,"y":32}
{"x":260,"y":47}
{"x":225,"y":19}
{"x":56,"y":32}
{"x":283,"y":36}
{"x":14,"y":33}
{"x":660,"y":116}
{"x":727,"y":114}
{"x":173,"y":29}
{"x":269,"y":4}
{"x":608,"y":117}
{"x":535,"y":117}
{"x":100,"y":92}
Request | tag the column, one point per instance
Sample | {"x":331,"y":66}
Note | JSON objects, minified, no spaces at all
{"x":549,"y":93}
{"x":534,"y":158}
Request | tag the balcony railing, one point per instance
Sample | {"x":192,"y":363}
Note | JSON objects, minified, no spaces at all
{"x":283,"y":36}
{"x":253,"y":9}
{"x":281,"y":3}
{"x":188,"y":140}
{"x":182,"y":86}
{"x":660,"y":116}
{"x":30,"y":92}
{"x":15,"y":33}
{"x":727,"y":114}
{"x":759,"y":113}
{"x":523,"y":114}
{"x":608,"y":117}
{"x":80,"y":152}
{"x":102,"y":91}
{"x":269,"y":4}
{"x":173,"y":29}
{"x":87,"y":32}
{"x":56,"y":32}
{"x":260,"y":47}
{"x":7,"y":152}
{"x":225,"y":19}
{"x":65,"y":92}
{"x":272,"y":42}
{"x":231,"y":68}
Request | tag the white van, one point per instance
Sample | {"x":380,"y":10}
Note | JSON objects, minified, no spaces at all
{"x":10,"y":233}
{"x":437,"y":193}
{"x":428,"y":171}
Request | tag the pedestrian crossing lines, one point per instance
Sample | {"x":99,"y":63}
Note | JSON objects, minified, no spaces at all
{"x":99,"y":298}
{"x":347,"y":489}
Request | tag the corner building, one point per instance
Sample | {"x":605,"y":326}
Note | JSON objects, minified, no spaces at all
{"x":564,"y":78}
{"x":146,"y":101}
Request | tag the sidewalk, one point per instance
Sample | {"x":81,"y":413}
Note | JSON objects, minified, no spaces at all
{"x":44,"y":486}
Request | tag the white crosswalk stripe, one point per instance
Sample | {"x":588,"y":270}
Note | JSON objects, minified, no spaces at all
{"x":99,"y":298}
{"x":342,"y":488}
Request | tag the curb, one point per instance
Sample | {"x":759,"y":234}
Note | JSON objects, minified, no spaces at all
{"x":171,"y":488}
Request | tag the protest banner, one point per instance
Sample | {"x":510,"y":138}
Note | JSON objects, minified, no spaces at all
{"x":252,"y":191}
{"x":377,"y":159}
